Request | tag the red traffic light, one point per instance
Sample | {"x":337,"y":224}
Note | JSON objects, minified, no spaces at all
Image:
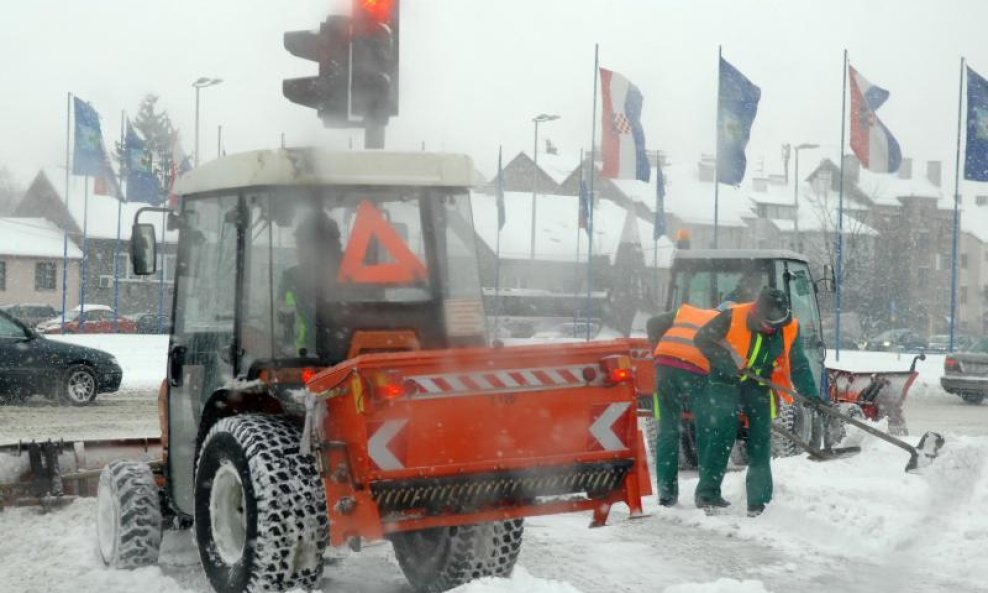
{"x":377,"y":10}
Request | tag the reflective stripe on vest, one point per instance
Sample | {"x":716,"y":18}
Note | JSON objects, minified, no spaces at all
{"x":739,"y":337}
{"x":678,"y":343}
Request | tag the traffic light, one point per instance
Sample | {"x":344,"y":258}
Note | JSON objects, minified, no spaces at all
{"x":328,"y":93}
{"x":374,"y":91}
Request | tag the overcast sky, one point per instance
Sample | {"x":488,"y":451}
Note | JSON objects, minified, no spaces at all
{"x":474,"y":72}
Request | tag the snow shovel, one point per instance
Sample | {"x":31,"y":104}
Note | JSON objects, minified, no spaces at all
{"x":919,"y":456}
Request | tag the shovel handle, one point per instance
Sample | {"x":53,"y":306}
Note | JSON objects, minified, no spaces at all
{"x":821,"y":407}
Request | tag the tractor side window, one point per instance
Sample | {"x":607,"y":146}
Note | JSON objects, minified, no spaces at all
{"x":264,"y":241}
{"x":462,"y":304}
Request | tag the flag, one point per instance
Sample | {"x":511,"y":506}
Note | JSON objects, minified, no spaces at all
{"x":659,"y":228}
{"x":737,"y":105}
{"x":179,"y":165}
{"x":500,"y":192}
{"x":584,"y":206}
{"x":871,"y":141}
{"x":142,"y":186}
{"x":622,"y":136}
{"x":976,"y":151}
{"x":89,"y":157}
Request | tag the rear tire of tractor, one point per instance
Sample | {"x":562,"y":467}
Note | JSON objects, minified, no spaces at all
{"x":972,"y":399}
{"x":436,"y":560}
{"x":260,"y":508}
{"x":128,"y":516}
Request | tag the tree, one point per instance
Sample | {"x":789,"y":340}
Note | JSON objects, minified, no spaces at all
{"x":10,"y":192}
{"x":156,"y":128}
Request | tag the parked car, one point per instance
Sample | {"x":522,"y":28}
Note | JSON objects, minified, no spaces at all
{"x":941,"y":343}
{"x":897,"y":339}
{"x":152,"y":323}
{"x":966,"y":373}
{"x":577,"y":330}
{"x":30,"y":314}
{"x":99,"y":319}
{"x":32,"y":364}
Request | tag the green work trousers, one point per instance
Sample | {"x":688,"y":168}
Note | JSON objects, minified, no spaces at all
{"x":716,"y":413}
{"x":673,"y":388}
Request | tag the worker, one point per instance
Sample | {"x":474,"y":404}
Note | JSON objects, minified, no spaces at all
{"x":760,"y":337}
{"x":303,"y":286}
{"x":680,"y":372}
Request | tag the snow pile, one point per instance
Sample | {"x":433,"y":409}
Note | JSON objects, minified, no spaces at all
{"x":520,"y":582}
{"x":719,"y":586}
{"x":142,"y":357}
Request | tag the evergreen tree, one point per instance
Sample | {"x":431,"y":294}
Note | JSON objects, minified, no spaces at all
{"x":156,"y":128}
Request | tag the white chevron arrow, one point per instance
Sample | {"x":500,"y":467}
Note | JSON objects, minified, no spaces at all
{"x":601,"y":428}
{"x":377,"y":445}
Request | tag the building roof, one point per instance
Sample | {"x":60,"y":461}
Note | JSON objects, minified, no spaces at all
{"x":887,"y":188}
{"x":34,"y":237}
{"x":99,"y":213}
{"x":557,"y":219}
{"x":558,"y":166}
{"x":817,"y":212}
{"x":318,"y":166}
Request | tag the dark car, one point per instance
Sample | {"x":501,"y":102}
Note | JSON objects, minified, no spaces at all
{"x":966,"y":373}
{"x":897,"y":339}
{"x":30,"y":315}
{"x":32,"y":364}
{"x":152,"y":323}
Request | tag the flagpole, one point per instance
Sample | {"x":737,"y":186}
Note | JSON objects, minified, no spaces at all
{"x":497,"y":257}
{"x":65,"y":237}
{"x":717,"y":153}
{"x":164,"y":226}
{"x":840,"y":211}
{"x":85,"y":253}
{"x":579,"y":232}
{"x":957,"y":199}
{"x":116,"y":247}
{"x":593,"y":156}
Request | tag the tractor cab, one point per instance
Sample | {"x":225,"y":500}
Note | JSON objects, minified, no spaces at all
{"x":296,"y":260}
{"x":708,"y":278}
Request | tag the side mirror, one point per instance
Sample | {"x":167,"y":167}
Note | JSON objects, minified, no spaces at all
{"x":143,"y":249}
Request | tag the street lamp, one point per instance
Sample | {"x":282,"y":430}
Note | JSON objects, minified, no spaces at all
{"x":795,"y":190}
{"x":538,"y":119}
{"x":201,"y":83}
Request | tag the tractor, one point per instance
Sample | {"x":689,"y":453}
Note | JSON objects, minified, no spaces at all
{"x":330,"y":383}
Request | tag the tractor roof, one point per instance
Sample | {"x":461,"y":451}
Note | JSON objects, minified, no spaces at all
{"x":734,"y":254}
{"x":318,"y":166}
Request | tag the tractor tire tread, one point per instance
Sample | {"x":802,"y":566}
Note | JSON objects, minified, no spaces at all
{"x":133,"y":485}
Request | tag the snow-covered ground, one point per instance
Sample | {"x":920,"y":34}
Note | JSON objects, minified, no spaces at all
{"x":856,"y":524}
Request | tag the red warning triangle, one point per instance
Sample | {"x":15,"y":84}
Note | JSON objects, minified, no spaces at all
{"x":405,"y":267}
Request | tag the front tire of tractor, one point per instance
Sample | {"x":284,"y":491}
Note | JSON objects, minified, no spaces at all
{"x":436,"y":560}
{"x":260,"y":508}
{"x":798,"y":420}
{"x":128,"y":517}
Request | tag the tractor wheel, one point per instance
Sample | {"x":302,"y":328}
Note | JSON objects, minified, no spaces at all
{"x":854,"y":411}
{"x":260,"y":508}
{"x":128,"y":517}
{"x":973,"y":399}
{"x":651,"y":437}
{"x":78,"y":385}
{"x":796,"y":419}
{"x":439,"y":559}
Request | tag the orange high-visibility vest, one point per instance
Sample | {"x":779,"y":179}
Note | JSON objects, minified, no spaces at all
{"x":678,"y":341}
{"x":739,"y":338}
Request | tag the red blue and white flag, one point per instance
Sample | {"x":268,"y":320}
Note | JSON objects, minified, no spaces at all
{"x":622,"y":136}
{"x":871,"y":141}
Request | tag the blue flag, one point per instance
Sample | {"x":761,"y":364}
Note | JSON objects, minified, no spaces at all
{"x":142,"y":186}
{"x":584,"y":206}
{"x":659,"y":228}
{"x":89,"y":157}
{"x":736,"y":109}
{"x":500,"y":192}
{"x":976,"y":152}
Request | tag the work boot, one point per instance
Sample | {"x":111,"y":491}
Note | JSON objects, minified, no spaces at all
{"x":755,"y":509}
{"x":668,"y":501}
{"x":712,"y":503}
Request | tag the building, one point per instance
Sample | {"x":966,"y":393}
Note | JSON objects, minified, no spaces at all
{"x":31,"y":263}
{"x":972,"y":266}
{"x":106,"y":259}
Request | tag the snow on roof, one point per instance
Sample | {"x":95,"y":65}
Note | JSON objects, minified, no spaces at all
{"x":34,"y":237}
{"x":688,"y":198}
{"x":816,"y":211}
{"x":557,"y":220}
{"x":887,"y":188}
{"x":558,"y":166}
{"x":974,"y":219}
{"x":101,"y":222}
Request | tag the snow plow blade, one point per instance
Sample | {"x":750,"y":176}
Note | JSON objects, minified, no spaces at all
{"x":52,"y":473}
{"x":919,"y":456}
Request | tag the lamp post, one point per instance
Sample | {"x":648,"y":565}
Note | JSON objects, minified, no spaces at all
{"x":795,"y":191}
{"x":538,"y":119}
{"x":201,"y":83}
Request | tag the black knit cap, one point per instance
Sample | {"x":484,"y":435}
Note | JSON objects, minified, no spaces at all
{"x":772,"y":307}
